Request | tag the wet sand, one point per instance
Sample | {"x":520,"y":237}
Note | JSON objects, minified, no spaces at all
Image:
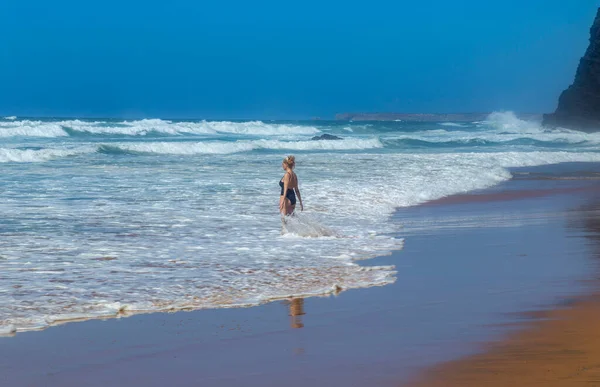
{"x":563,"y":349}
{"x":470,"y":268}
{"x":557,"y":347}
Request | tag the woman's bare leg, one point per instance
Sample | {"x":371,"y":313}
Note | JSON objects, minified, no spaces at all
{"x":287,"y":208}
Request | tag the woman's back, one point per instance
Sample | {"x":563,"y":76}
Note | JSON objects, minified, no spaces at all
{"x":293,"y":182}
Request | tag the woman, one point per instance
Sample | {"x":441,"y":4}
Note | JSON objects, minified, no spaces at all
{"x":289,"y":188}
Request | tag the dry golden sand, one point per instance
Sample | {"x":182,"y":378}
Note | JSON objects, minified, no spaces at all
{"x":561,"y":349}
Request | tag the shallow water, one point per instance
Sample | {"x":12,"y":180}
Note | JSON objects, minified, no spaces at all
{"x":109,"y":217}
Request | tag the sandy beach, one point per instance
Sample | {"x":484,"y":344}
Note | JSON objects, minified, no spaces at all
{"x":495,"y":266}
{"x":557,"y":347}
{"x":563,"y":349}
{"x":222,"y":194}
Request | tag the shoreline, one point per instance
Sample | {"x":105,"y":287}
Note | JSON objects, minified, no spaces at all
{"x":557,"y":346}
{"x":442,"y":307}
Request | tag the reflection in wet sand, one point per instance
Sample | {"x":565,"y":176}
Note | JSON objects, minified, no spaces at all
{"x":296,"y":306}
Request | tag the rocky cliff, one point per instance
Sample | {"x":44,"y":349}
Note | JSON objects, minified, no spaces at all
{"x":579,"y":105}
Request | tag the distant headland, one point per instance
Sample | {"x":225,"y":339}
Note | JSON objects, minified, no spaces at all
{"x":426,"y":117}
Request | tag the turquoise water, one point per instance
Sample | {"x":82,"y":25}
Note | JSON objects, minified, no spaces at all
{"x":103,"y":218}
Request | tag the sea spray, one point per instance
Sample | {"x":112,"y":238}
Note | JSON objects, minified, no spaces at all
{"x":305,"y":226}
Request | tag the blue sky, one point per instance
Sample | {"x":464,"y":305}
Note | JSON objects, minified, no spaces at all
{"x":277,"y":60}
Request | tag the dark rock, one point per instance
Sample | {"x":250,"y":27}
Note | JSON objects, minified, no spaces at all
{"x":579,"y":105}
{"x":327,"y":137}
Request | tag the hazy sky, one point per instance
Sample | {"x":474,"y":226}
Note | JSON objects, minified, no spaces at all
{"x":279,"y":59}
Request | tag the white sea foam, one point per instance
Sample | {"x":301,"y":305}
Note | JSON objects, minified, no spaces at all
{"x":453,"y":124}
{"x":509,"y":121}
{"x":258,"y":128}
{"x":10,"y":118}
{"x":227,"y":147}
{"x":345,"y":144}
{"x":506,"y":127}
{"x":110,"y":234}
{"x":186,"y":236}
{"x":305,"y":226}
{"x":7,"y":330}
{"x":187,"y":148}
{"x":28,"y":128}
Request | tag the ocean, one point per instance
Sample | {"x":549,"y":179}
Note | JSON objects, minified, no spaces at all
{"x":106,"y":218}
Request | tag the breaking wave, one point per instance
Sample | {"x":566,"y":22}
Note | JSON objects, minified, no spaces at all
{"x":28,"y":128}
{"x":8,"y":155}
{"x":225,"y":147}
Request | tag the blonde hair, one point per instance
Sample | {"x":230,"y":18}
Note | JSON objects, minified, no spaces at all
{"x":290,"y":161}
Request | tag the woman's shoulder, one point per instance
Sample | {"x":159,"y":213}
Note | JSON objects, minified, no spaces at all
{"x":290,"y":175}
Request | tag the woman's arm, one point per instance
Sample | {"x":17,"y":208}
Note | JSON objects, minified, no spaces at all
{"x":299,"y":197}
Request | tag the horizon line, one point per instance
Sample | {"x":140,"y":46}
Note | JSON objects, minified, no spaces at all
{"x":335,"y":117}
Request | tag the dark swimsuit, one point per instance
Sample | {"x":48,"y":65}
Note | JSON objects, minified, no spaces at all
{"x":290,"y":194}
